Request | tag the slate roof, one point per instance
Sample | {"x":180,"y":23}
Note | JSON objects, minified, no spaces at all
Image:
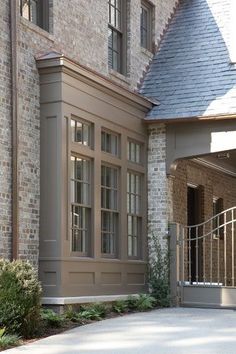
{"x":191,"y":75}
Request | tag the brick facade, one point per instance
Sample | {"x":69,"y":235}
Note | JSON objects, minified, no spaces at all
{"x":5,"y":133}
{"x":215,"y":184}
{"x":158,"y":189}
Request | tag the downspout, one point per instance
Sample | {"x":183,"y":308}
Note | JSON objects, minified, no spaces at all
{"x":14,"y":120}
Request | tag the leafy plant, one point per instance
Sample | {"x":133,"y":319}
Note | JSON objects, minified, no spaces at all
{"x":20,"y":294}
{"x":70,"y":314}
{"x":100,"y":308}
{"x":159,"y":274}
{"x":145,"y":302}
{"x":8,"y":340}
{"x":52,"y":318}
{"x":132,"y":303}
{"x":120,"y":306}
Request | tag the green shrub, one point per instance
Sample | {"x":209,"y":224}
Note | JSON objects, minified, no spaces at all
{"x":20,"y":294}
{"x":159,"y":274}
{"x":52,"y":318}
{"x":120,"y":306}
{"x":145,"y":302}
{"x":8,"y":340}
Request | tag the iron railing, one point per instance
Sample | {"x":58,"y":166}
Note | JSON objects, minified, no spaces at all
{"x":208,"y":251}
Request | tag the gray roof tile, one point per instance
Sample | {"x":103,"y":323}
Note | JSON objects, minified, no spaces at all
{"x":191,"y":75}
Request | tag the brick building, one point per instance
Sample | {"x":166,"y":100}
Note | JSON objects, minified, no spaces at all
{"x":88,"y":164}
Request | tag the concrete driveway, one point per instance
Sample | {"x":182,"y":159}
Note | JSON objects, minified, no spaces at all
{"x":175,"y":331}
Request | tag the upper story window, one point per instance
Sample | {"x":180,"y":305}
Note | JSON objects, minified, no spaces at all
{"x":110,"y":143}
{"x":116,"y":13}
{"x":81,"y":132}
{"x":36,"y":11}
{"x":146,"y":25}
{"x":134,"y":152}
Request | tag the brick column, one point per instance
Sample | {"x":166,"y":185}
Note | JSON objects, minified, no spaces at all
{"x":158,"y":189}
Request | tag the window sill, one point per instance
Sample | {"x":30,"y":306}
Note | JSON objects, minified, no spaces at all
{"x":147,"y":52}
{"x":120,"y":77}
{"x":36,"y":29}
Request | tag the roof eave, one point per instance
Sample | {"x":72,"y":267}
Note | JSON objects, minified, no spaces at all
{"x":190,"y":119}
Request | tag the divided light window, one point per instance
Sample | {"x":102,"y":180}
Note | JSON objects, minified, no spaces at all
{"x":134,"y":152}
{"x":110,"y":143}
{"x":146,"y":25}
{"x":115,"y":34}
{"x":36,"y":11}
{"x":134,"y":213}
{"x":81,"y":132}
{"x":109,"y":214}
{"x":80,"y":204}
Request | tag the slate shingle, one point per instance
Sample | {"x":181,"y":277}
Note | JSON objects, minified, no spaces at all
{"x":191,"y":75}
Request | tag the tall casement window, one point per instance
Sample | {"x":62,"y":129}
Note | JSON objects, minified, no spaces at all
{"x":134,"y":213}
{"x":36,"y":11}
{"x":80,"y":204}
{"x":116,"y":60}
{"x":109,"y":214}
{"x":146,"y":25}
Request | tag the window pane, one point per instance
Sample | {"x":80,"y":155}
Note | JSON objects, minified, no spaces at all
{"x":112,"y":16}
{"x":34,"y":11}
{"x":80,"y":183}
{"x":78,"y":170}
{"x":134,"y":152}
{"x":130,"y":248}
{"x":80,"y":229}
{"x":115,"y":65}
{"x":80,"y":132}
{"x":134,"y":210}
{"x":137,"y":156}
{"x":109,"y":230}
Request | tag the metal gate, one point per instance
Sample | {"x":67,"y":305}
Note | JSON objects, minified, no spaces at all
{"x":204,"y":260}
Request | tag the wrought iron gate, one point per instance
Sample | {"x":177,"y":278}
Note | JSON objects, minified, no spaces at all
{"x":205,"y":262}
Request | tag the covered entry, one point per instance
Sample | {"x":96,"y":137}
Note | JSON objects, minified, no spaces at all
{"x":201,"y":158}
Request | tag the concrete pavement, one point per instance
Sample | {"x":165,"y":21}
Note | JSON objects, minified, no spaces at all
{"x":165,"y":331}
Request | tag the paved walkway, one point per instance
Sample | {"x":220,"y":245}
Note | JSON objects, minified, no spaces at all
{"x":166,"y":331}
